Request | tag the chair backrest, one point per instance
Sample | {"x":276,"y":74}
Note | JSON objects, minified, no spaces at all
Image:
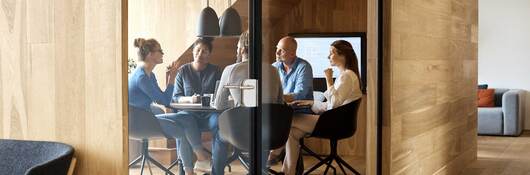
{"x":338,"y":123}
{"x":144,"y":125}
{"x":234,"y":126}
{"x":34,"y":157}
{"x":276,"y":124}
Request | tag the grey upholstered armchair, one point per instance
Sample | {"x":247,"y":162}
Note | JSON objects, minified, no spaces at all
{"x":506,"y":118}
{"x":24,"y":157}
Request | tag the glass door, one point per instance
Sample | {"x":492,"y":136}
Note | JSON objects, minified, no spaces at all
{"x":193,"y":87}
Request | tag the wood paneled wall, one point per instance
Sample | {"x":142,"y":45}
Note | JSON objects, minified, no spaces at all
{"x":372,"y":93}
{"x":61,"y":78}
{"x":430,"y":78}
{"x":332,"y":16}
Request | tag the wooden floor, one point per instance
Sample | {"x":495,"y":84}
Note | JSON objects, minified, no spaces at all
{"x":502,"y":156}
{"x":357,"y":162}
{"x":496,"y":156}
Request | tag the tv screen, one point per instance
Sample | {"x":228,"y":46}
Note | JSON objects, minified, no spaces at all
{"x":315,"y":49}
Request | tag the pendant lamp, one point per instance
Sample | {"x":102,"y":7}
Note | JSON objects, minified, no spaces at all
{"x":230,"y":22}
{"x":208,"y":22}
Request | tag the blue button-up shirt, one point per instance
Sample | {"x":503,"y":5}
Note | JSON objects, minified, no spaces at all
{"x":299,"y":79}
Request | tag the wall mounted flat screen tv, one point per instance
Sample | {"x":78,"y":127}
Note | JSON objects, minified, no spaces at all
{"x":314,"y":47}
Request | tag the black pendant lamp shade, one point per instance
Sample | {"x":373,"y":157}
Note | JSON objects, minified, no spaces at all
{"x":208,"y":23}
{"x":230,"y":23}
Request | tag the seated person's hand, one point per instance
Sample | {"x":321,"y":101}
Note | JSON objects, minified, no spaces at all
{"x":301,"y":103}
{"x":195,"y":99}
{"x":190,"y":99}
{"x":288,"y":98}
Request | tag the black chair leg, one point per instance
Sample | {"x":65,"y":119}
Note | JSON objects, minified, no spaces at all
{"x":181,"y":168}
{"x":327,"y":166}
{"x":328,"y":160}
{"x":243,"y":162}
{"x":271,"y":171}
{"x":341,"y":161}
{"x":232,"y":158}
{"x":143,"y":164}
{"x":180,"y":165}
{"x":340,"y":165}
{"x":300,"y":165}
{"x":319,"y":164}
{"x":135,"y":161}
{"x":310,"y":152}
{"x":145,"y":157}
{"x":160,"y":166}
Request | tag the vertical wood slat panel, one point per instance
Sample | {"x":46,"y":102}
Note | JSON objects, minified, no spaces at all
{"x":41,"y":93}
{"x":40,"y":21}
{"x":70,"y":77}
{"x":430,"y":85}
{"x":60,"y":79}
{"x":372,"y":93}
{"x":103,"y":86}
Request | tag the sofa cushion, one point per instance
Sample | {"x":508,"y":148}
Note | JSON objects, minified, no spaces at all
{"x":490,"y":121}
{"x":486,"y":97}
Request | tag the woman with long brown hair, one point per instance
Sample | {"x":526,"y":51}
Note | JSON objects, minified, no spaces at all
{"x":345,"y":89}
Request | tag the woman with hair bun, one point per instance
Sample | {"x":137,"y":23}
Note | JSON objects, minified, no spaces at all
{"x":144,"y":90}
{"x":143,"y":86}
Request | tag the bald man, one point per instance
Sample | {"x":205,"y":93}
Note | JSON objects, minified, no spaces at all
{"x":295,"y":73}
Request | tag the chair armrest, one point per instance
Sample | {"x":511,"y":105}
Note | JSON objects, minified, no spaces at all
{"x":512,"y":104}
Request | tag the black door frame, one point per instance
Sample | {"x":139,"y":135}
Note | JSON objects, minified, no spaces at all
{"x":380,"y":18}
{"x":255,"y":52}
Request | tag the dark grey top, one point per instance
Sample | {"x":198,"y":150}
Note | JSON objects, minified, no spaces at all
{"x":189,"y":82}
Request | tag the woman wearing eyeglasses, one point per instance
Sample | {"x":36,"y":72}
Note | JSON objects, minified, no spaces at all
{"x":143,"y":85}
{"x":144,"y":90}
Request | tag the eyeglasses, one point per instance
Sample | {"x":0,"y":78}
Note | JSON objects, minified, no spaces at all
{"x":159,"y":50}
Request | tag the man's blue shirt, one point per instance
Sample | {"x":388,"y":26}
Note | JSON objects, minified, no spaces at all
{"x":299,"y":79}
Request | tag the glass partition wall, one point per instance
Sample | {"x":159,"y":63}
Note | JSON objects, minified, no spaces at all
{"x":193,"y":89}
{"x":217,"y":86}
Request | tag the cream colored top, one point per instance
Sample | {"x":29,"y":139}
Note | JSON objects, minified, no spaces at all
{"x":235,"y":74}
{"x":344,"y":90}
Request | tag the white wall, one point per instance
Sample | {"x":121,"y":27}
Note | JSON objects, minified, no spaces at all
{"x":504,"y":46}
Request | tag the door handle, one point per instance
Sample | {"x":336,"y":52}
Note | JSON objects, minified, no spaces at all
{"x":238,"y":87}
{"x":249,"y":92}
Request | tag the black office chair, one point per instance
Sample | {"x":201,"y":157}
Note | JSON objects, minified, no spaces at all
{"x":143,"y":125}
{"x":234,"y":127}
{"x":34,"y":157}
{"x":336,"y":124}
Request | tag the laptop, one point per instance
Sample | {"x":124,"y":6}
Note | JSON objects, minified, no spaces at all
{"x":214,"y":92}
